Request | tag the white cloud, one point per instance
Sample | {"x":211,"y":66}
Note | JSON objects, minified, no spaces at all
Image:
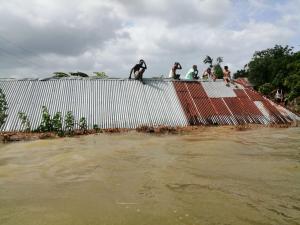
{"x":111,"y":35}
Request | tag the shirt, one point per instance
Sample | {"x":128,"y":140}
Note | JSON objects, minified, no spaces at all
{"x":190,"y":74}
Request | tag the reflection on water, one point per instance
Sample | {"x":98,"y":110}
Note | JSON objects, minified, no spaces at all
{"x":212,"y":176}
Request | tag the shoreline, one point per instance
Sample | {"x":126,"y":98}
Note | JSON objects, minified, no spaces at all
{"x":9,"y":137}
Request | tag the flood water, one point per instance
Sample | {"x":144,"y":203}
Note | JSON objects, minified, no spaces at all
{"x":211,"y":176}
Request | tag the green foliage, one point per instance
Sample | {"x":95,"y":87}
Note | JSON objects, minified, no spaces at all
{"x":24,"y":121}
{"x":69,"y":123}
{"x":240,"y":73}
{"x":267,"y":64}
{"x":60,"y":74}
{"x":79,"y":74}
{"x":217,"y":67}
{"x":3,"y":108}
{"x":83,"y":124}
{"x":275,"y":68}
{"x":57,"y":122}
{"x":46,"y":123}
{"x":218,"y":71}
{"x":96,"y":127}
{"x":266,"y":88}
{"x":101,"y":75}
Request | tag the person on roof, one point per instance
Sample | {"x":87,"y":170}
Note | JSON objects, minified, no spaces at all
{"x":192,"y":74}
{"x":208,"y":75}
{"x":226,"y":75}
{"x":172,"y":73}
{"x":138,"y":70}
{"x":279,"y":96}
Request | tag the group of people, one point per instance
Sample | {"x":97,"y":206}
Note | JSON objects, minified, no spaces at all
{"x":139,"y":69}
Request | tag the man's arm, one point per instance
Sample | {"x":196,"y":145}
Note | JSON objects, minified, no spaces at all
{"x":131,"y":72}
{"x":179,"y":66}
{"x":196,"y":74}
{"x":145,"y":67}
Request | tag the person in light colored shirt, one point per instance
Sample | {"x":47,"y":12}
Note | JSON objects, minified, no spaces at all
{"x":192,"y":74}
{"x":208,"y":75}
{"x":172,"y":73}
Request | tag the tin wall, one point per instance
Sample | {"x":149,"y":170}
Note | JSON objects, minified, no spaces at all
{"x":107,"y":103}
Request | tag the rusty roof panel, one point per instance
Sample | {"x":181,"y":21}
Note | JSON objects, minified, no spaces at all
{"x":240,"y":93}
{"x":220,"y":107}
{"x":187,"y":103}
{"x":236,"y":108}
{"x":275,"y":115}
{"x":253,"y":95}
{"x":196,"y":90}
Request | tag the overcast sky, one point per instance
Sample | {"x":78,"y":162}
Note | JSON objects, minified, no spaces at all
{"x":39,"y":37}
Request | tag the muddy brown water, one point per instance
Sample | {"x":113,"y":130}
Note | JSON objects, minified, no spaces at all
{"x":211,"y":176}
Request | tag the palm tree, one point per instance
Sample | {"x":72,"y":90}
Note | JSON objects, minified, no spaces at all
{"x":208,"y":60}
{"x":217,"y":67}
{"x":219,"y":60}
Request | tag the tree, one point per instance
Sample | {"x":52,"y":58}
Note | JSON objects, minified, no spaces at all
{"x":266,"y":65}
{"x":101,"y":75}
{"x":275,"y":68}
{"x":240,"y":73}
{"x":217,"y":67}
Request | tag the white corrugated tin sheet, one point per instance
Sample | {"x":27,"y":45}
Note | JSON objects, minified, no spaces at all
{"x":107,"y":103}
{"x":218,"y":89}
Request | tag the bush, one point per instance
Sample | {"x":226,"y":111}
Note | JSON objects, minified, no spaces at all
{"x":3,"y":108}
{"x":24,"y":121}
{"x":69,"y":123}
{"x":83,"y":124}
{"x":266,"y":88}
{"x":46,"y":123}
{"x":57,"y":122}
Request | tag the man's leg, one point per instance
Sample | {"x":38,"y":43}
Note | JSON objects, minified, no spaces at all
{"x":139,"y":75}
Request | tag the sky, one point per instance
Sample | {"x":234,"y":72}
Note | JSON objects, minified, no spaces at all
{"x":39,"y":37}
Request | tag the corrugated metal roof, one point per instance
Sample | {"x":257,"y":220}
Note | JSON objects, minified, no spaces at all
{"x":107,"y":103}
{"x":218,"y":89}
{"x":215,"y":103}
{"x":123,"y":103}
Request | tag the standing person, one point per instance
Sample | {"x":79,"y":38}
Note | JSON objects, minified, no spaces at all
{"x":226,"y":75}
{"x":279,"y":96}
{"x":192,"y":74}
{"x":172,"y":73}
{"x":208,"y":74}
{"x":138,"y":70}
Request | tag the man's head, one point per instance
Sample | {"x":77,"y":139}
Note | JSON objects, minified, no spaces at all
{"x":195,"y":67}
{"x":141,"y":61}
{"x":226,"y":67}
{"x":208,"y":70}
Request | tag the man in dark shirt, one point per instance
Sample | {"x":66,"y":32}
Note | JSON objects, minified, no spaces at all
{"x":138,"y":70}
